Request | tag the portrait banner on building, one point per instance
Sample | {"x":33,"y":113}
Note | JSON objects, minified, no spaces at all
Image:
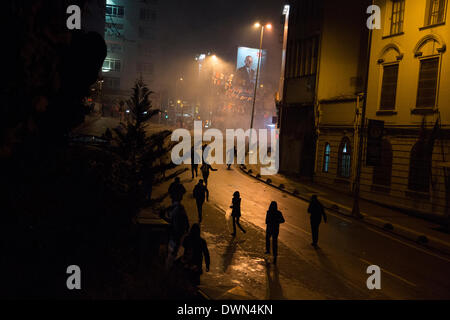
{"x":246,"y":66}
{"x":374,"y":142}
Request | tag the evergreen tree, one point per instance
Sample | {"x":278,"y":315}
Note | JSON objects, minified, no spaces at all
{"x":142,"y":155}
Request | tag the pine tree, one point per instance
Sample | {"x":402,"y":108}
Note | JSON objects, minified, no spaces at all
{"x":142,"y":155}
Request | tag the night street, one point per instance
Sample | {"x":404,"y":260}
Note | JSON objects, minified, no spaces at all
{"x":319,"y":131}
{"x":240,"y":269}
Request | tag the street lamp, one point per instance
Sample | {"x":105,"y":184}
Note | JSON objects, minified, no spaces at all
{"x":180,"y":79}
{"x":269,"y":27}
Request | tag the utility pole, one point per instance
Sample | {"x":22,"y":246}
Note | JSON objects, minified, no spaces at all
{"x":257,"y":76}
{"x":357,"y":182}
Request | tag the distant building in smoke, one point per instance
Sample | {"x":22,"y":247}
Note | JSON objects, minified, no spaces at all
{"x":131,"y":31}
{"x":325,"y":70}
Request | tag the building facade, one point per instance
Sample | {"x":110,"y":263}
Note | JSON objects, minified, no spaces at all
{"x":130,"y":36}
{"x":324,"y":70}
{"x":408,"y":89}
{"x":299,"y":94}
{"x":407,"y":93}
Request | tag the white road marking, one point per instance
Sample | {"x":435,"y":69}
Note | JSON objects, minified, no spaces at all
{"x":370,"y":228}
{"x":390,"y":273}
{"x":295,"y":227}
{"x":409,"y":245}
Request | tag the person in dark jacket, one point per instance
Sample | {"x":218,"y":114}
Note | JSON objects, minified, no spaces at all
{"x":236,"y":212}
{"x":179,"y":226}
{"x":195,"y":160}
{"x":176,"y":190}
{"x":195,"y":248}
{"x":273,"y":220}
{"x":200,"y":193}
{"x":317,"y":211}
{"x":205,"y":171}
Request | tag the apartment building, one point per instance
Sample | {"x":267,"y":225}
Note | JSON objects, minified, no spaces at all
{"x":130,"y":35}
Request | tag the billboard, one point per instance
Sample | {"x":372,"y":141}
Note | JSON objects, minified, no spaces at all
{"x":246,"y":65}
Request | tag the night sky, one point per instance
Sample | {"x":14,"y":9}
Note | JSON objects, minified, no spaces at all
{"x":220,"y":26}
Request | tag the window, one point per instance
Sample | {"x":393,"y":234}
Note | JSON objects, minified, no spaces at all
{"x":145,"y":50}
{"x":326,"y":157}
{"x":114,"y":47}
{"x":426,"y":92}
{"x":114,"y":11}
{"x":397,"y":16}
{"x":113,"y":30}
{"x":419,"y":168}
{"x":145,"y":33}
{"x":435,"y":12}
{"x":111,"y":65}
{"x":344,"y":164}
{"x":302,"y":57}
{"x":146,"y":68}
{"x":109,"y":25}
{"x":147,"y":14}
{"x":389,"y":87}
{"x":383,"y":172}
{"x":112,"y":82}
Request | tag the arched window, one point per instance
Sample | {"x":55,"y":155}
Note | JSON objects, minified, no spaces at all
{"x":344,"y":163}
{"x":428,"y":51}
{"x":383,"y":172}
{"x":326,"y":157}
{"x":419,"y":168}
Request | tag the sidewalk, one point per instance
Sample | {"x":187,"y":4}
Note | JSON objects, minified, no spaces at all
{"x":421,"y":231}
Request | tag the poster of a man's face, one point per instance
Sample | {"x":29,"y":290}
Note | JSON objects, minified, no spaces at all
{"x":247,"y":63}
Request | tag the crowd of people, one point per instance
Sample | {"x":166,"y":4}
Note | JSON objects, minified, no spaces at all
{"x":195,"y":247}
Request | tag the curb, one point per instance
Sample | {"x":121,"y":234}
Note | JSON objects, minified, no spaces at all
{"x":203,"y":295}
{"x":419,"y":238}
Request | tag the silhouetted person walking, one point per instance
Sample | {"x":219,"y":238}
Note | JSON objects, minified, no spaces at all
{"x":236,"y":212}
{"x":273,"y":220}
{"x":195,"y":159}
{"x":231,"y":154}
{"x":200,"y":193}
{"x":195,"y":248}
{"x":179,"y":225}
{"x":317,"y":211}
{"x":176,"y":190}
{"x":205,"y":171}
{"x":108,"y":134}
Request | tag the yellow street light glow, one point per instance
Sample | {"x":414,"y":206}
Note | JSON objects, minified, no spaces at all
{"x":181,"y":79}
{"x":178,"y":101}
{"x":257,"y":25}
{"x":269,"y":26}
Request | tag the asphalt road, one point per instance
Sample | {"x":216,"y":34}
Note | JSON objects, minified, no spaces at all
{"x":337,"y":270}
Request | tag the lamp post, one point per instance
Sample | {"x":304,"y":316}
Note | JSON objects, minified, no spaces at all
{"x":356,"y":212}
{"x":213,"y":65}
{"x":257,"y":25}
{"x":177,"y":98}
